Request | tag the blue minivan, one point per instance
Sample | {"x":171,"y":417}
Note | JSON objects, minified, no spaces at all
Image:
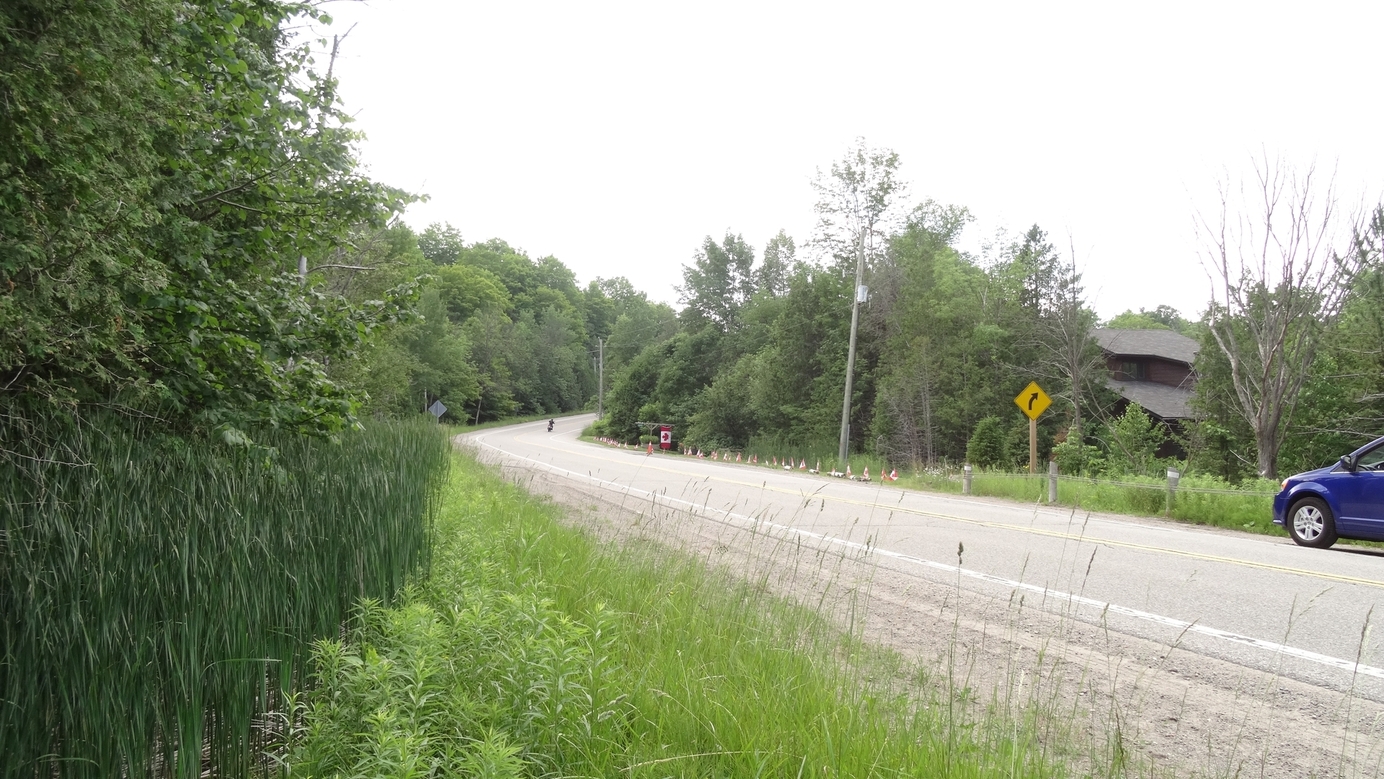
{"x":1344,"y":500}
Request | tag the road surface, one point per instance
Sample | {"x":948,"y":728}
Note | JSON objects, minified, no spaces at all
{"x":1262,"y":634}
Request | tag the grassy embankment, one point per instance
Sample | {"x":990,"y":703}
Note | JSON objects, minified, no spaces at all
{"x":534,"y":650}
{"x":159,"y":596}
{"x":1200,"y":500}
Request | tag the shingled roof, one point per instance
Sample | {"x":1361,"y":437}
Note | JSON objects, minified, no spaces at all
{"x":1147,"y":343}
{"x":1159,"y":399}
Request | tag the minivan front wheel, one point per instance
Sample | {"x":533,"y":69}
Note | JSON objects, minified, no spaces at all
{"x":1310,"y":523}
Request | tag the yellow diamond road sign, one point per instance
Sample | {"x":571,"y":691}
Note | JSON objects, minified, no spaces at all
{"x":1033,"y":400}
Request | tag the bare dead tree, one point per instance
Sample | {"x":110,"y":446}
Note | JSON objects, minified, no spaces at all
{"x":1280,"y":265}
{"x":907,"y":396}
{"x":1069,"y":343}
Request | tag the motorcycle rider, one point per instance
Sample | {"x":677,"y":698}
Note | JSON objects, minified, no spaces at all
{"x":551,"y":422}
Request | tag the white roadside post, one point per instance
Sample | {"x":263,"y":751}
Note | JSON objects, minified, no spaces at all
{"x":1173,"y":476}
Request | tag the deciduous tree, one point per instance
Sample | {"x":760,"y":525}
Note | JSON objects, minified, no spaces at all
{"x":718,"y":283}
{"x":1280,"y":260}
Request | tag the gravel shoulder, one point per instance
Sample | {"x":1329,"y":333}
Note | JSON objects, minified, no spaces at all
{"x":1156,"y":708}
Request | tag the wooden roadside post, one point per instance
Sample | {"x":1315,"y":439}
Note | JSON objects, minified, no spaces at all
{"x":1033,"y":401}
{"x":1032,"y":444}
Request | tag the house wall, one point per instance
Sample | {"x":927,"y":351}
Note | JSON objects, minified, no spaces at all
{"x":1173,"y":374}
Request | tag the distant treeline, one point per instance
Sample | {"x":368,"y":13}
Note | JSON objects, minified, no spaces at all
{"x":1290,"y":369}
{"x":499,"y":334}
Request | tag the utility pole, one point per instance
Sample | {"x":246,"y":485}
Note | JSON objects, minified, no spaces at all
{"x":600,"y":379}
{"x":850,"y":357}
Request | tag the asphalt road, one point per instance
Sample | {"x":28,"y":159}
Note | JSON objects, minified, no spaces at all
{"x":1256,"y":601}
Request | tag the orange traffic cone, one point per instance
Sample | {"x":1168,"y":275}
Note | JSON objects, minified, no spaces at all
{"x":866,"y":475}
{"x":651,"y":449}
{"x":848,"y":471}
{"x":894,"y":475}
{"x":737,"y":457}
{"x":802,"y":466}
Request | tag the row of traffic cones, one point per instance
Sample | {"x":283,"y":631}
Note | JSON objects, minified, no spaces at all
{"x":786,"y":463}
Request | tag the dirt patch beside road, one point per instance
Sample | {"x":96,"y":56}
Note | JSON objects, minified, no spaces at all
{"x":1153,"y":708}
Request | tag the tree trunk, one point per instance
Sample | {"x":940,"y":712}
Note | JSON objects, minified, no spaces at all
{"x":1265,"y":442}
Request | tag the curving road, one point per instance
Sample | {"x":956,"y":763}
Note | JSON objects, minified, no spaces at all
{"x":1242,"y":601}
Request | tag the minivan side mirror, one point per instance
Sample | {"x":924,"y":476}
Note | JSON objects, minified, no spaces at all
{"x":1348,"y":462}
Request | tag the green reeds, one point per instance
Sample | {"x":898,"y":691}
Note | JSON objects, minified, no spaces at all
{"x":160,"y":595}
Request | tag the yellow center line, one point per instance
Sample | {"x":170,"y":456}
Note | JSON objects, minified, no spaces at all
{"x":987,"y":523}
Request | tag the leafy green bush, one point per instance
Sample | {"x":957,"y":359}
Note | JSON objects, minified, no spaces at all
{"x":986,"y":449}
{"x":1078,"y":459}
{"x":1133,"y":439}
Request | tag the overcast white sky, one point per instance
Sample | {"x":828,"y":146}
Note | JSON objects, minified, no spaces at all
{"x":616,"y":136}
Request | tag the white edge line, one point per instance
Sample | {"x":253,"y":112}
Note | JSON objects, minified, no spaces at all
{"x":1190,"y":627}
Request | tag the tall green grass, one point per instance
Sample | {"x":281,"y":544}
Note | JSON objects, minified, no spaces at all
{"x":159,"y":596}
{"x":1201,"y":500}
{"x":533,"y":650}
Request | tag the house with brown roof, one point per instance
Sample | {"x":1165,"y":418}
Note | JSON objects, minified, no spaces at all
{"x":1152,"y":368}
